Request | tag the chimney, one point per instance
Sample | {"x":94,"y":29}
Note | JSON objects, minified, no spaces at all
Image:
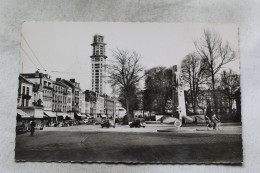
{"x":37,"y":73}
{"x":58,"y":79}
{"x":72,"y":80}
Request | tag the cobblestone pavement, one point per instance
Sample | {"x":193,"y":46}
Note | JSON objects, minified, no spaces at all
{"x":78,"y":143}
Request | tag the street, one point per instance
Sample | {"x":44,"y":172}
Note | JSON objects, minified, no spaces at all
{"x":91,"y":143}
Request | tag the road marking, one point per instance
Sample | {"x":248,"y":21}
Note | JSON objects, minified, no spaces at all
{"x":84,"y":140}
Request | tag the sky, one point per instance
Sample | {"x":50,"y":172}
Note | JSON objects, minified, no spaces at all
{"x":63,"y":49}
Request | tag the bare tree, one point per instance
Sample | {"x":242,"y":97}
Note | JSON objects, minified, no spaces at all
{"x":194,"y":75}
{"x":124,"y":74}
{"x":229,"y":84}
{"x":214,"y":55}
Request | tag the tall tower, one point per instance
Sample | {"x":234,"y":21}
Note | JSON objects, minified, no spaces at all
{"x":98,"y":61}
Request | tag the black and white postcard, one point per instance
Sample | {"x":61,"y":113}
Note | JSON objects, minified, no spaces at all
{"x":129,"y":93}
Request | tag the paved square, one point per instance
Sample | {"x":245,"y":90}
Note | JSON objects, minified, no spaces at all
{"x":124,"y":144}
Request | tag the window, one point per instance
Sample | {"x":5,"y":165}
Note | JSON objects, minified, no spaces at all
{"x":27,"y":91}
{"x":23,"y":90}
{"x":22,"y":102}
{"x":97,"y":65}
{"x":101,"y":50}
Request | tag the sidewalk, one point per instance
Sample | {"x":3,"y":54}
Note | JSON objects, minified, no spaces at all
{"x":203,"y":124}
{"x":150,"y":128}
{"x":228,"y":129}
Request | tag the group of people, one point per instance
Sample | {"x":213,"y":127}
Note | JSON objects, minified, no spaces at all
{"x":28,"y":126}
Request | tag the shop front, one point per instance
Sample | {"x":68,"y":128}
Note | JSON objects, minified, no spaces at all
{"x":50,"y":118}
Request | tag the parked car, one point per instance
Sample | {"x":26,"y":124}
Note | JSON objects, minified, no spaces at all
{"x":137,"y":123}
{"x":20,"y":129}
{"x":91,"y":120}
{"x":107,"y":123}
{"x":85,"y":120}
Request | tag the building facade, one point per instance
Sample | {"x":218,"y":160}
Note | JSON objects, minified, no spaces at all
{"x":100,"y":106}
{"x":82,"y":104}
{"x":90,"y":102}
{"x":110,"y":106}
{"x":120,"y":112}
{"x":75,"y":95}
{"x":43,"y":86}
{"x":60,"y":97}
{"x":98,"y":61}
{"x":25,"y":93}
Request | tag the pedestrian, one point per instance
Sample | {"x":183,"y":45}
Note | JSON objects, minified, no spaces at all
{"x":26,"y":126}
{"x":209,"y":114}
{"x":195,"y":121}
{"x":32,"y":125}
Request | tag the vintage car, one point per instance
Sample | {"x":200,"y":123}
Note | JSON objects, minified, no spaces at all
{"x":85,"y":120}
{"x":107,"y":123}
{"x":20,"y":129}
{"x":137,"y":123}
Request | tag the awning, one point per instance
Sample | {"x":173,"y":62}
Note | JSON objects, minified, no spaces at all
{"x":103,"y":116}
{"x":60,"y":114}
{"x":79,"y":115}
{"x":22,"y":114}
{"x":49,"y":114}
{"x":67,"y":115}
{"x":64,"y":115}
{"x":83,"y":116}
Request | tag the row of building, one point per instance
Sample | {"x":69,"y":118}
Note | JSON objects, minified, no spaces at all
{"x":41,"y":97}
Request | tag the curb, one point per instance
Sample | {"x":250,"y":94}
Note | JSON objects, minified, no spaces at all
{"x":176,"y":130}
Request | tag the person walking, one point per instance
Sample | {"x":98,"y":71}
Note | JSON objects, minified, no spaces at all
{"x":32,"y":125}
{"x":209,"y":114}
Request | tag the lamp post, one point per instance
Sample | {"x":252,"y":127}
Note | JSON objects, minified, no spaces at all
{"x":56,"y":115}
{"x":114,"y":119}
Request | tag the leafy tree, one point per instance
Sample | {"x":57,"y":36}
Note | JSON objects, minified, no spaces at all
{"x":158,"y":85}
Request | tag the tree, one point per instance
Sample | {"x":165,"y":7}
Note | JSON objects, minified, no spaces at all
{"x":124,"y":74}
{"x":194,"y":75}
{"x":158,"y":84}
{"x":132,"y":100}
{"x":214,"y":55}
{"x":229,"y":84}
